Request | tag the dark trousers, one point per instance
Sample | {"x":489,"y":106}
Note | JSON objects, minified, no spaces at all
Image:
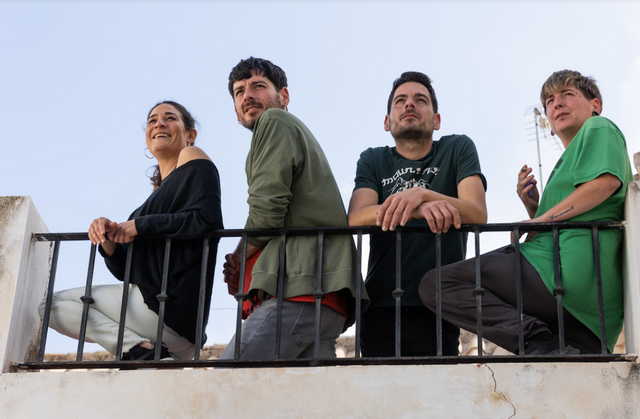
{"x":417,"y":331}
{"x":499,"y":307}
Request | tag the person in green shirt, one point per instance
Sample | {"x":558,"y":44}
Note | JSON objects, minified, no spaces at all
{"x":290,"y":185}
{"x":587,"y":184}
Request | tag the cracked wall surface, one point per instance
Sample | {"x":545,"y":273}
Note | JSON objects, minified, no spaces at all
{"x":491,"y":391}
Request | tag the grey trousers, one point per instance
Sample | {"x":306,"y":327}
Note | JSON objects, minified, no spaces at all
{"x":499,"y":304}
{"x":297,"y":339}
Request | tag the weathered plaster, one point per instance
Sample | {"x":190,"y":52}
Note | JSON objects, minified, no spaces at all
{"x":631,"y":268}
{"x":24,"y":269}
{"x":491,"y":391}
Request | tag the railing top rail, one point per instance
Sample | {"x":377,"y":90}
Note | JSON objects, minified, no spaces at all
{"x":302,"y":231}
{"x":274,"y":363}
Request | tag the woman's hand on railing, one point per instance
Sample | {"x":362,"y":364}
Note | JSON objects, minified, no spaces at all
{"x":99,"y":227}
{"x":124,"y":232}
{"x":100,"y":232}
{"x":527,"y":190}
{"x":231,"y":274}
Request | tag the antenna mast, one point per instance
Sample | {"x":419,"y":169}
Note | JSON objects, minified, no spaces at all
{"x":536,"y":116}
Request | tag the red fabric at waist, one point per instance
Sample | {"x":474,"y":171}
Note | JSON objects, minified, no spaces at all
{"x":336,"y":300}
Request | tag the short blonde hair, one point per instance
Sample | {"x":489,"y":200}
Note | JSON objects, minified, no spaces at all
{"x":561,"y":79}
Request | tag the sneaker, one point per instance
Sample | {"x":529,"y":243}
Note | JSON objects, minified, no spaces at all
{"x":140,"y":353}
{"x":568,"y":350}
{"x":549,"y":347}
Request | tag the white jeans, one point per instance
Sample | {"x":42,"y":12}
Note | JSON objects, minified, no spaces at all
{"x":104,"y":314}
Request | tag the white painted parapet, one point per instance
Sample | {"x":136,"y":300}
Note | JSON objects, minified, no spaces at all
{"x":487,"y":391}
{"x":631,"y":270}
{"x":564,"y":390}
{"x":24,"y":272}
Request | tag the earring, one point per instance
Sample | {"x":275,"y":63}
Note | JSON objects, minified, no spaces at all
{"x":595,"y":113}
{"x":553,"y":133}
{"x":145,"y":154}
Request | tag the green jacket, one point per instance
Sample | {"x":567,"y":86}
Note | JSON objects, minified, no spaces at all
{"x":291,"y":185}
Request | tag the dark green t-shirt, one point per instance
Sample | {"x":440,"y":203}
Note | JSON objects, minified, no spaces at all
{"x":451,"y":159}
{"x":599,"y":147}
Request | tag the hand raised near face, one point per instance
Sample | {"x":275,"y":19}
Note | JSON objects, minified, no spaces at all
{"x":527,"y":190}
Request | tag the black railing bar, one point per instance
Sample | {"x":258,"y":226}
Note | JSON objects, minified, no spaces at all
{"x":86,"y":300}
{"x":558,"y":291}
{"x":318,"y":295}
{"x":302,"y":231}
{"x":202,"y":291}
{"x":47,"y":309}
{"x":279,"y":363}
{"x":609,"y":224}
{"x":358,"y":274}
{"x":352,"y":230}
{"x":240,"y":295}
{"x":43,"y":237}
{"x":125,"y":300}
{"x":439,"y":294}
{"x":280,"y":290}
{"x":519,"y":308}
{"x":596,"y":259}
{"x":397,"y":294}
{"x":478,"y":291}
{"x":162,"y":299}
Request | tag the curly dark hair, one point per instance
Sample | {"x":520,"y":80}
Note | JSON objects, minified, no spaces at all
{"x":245,"y":69}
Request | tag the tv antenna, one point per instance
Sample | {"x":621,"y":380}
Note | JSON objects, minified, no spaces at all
{"x":541,"y":126}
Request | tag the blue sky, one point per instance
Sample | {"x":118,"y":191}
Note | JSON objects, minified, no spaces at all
{"x":78,"y":78}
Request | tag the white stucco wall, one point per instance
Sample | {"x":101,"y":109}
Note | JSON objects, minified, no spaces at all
{"x":631,"y":268}
{"x":534,"y":390}
{"x":541,"y":391}
{"x":24,"y":270}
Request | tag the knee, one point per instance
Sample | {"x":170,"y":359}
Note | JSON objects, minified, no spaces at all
{"x":427,"y":289}
{"x":42,"y":306}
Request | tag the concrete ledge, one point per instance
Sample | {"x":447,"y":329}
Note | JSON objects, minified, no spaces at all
{"x":542,"y":390}
{"x":631,"y":268}
{"x":24,"y":271}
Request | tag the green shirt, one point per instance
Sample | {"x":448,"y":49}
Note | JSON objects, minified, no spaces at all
{"x":291,"y":185}
{"x":598,"y":148}
{"x":383,"y":169}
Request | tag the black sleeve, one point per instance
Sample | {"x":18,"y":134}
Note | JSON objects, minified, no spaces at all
{"x":117,"y":261}
{"x":186,"y":206}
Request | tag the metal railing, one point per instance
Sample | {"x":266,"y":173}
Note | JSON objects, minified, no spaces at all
{"x":321,"y":232}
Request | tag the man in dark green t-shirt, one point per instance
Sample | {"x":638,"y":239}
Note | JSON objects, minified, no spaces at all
{"x":417,"y":182}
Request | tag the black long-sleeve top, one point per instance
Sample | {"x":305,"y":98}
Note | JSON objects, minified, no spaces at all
{"x":186,"y":208}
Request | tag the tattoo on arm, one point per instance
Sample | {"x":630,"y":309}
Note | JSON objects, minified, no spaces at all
{"x":553,"y":217}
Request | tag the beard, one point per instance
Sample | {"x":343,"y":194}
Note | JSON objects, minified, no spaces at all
{"x":249,"y":123}
{"x":411,"y":134}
